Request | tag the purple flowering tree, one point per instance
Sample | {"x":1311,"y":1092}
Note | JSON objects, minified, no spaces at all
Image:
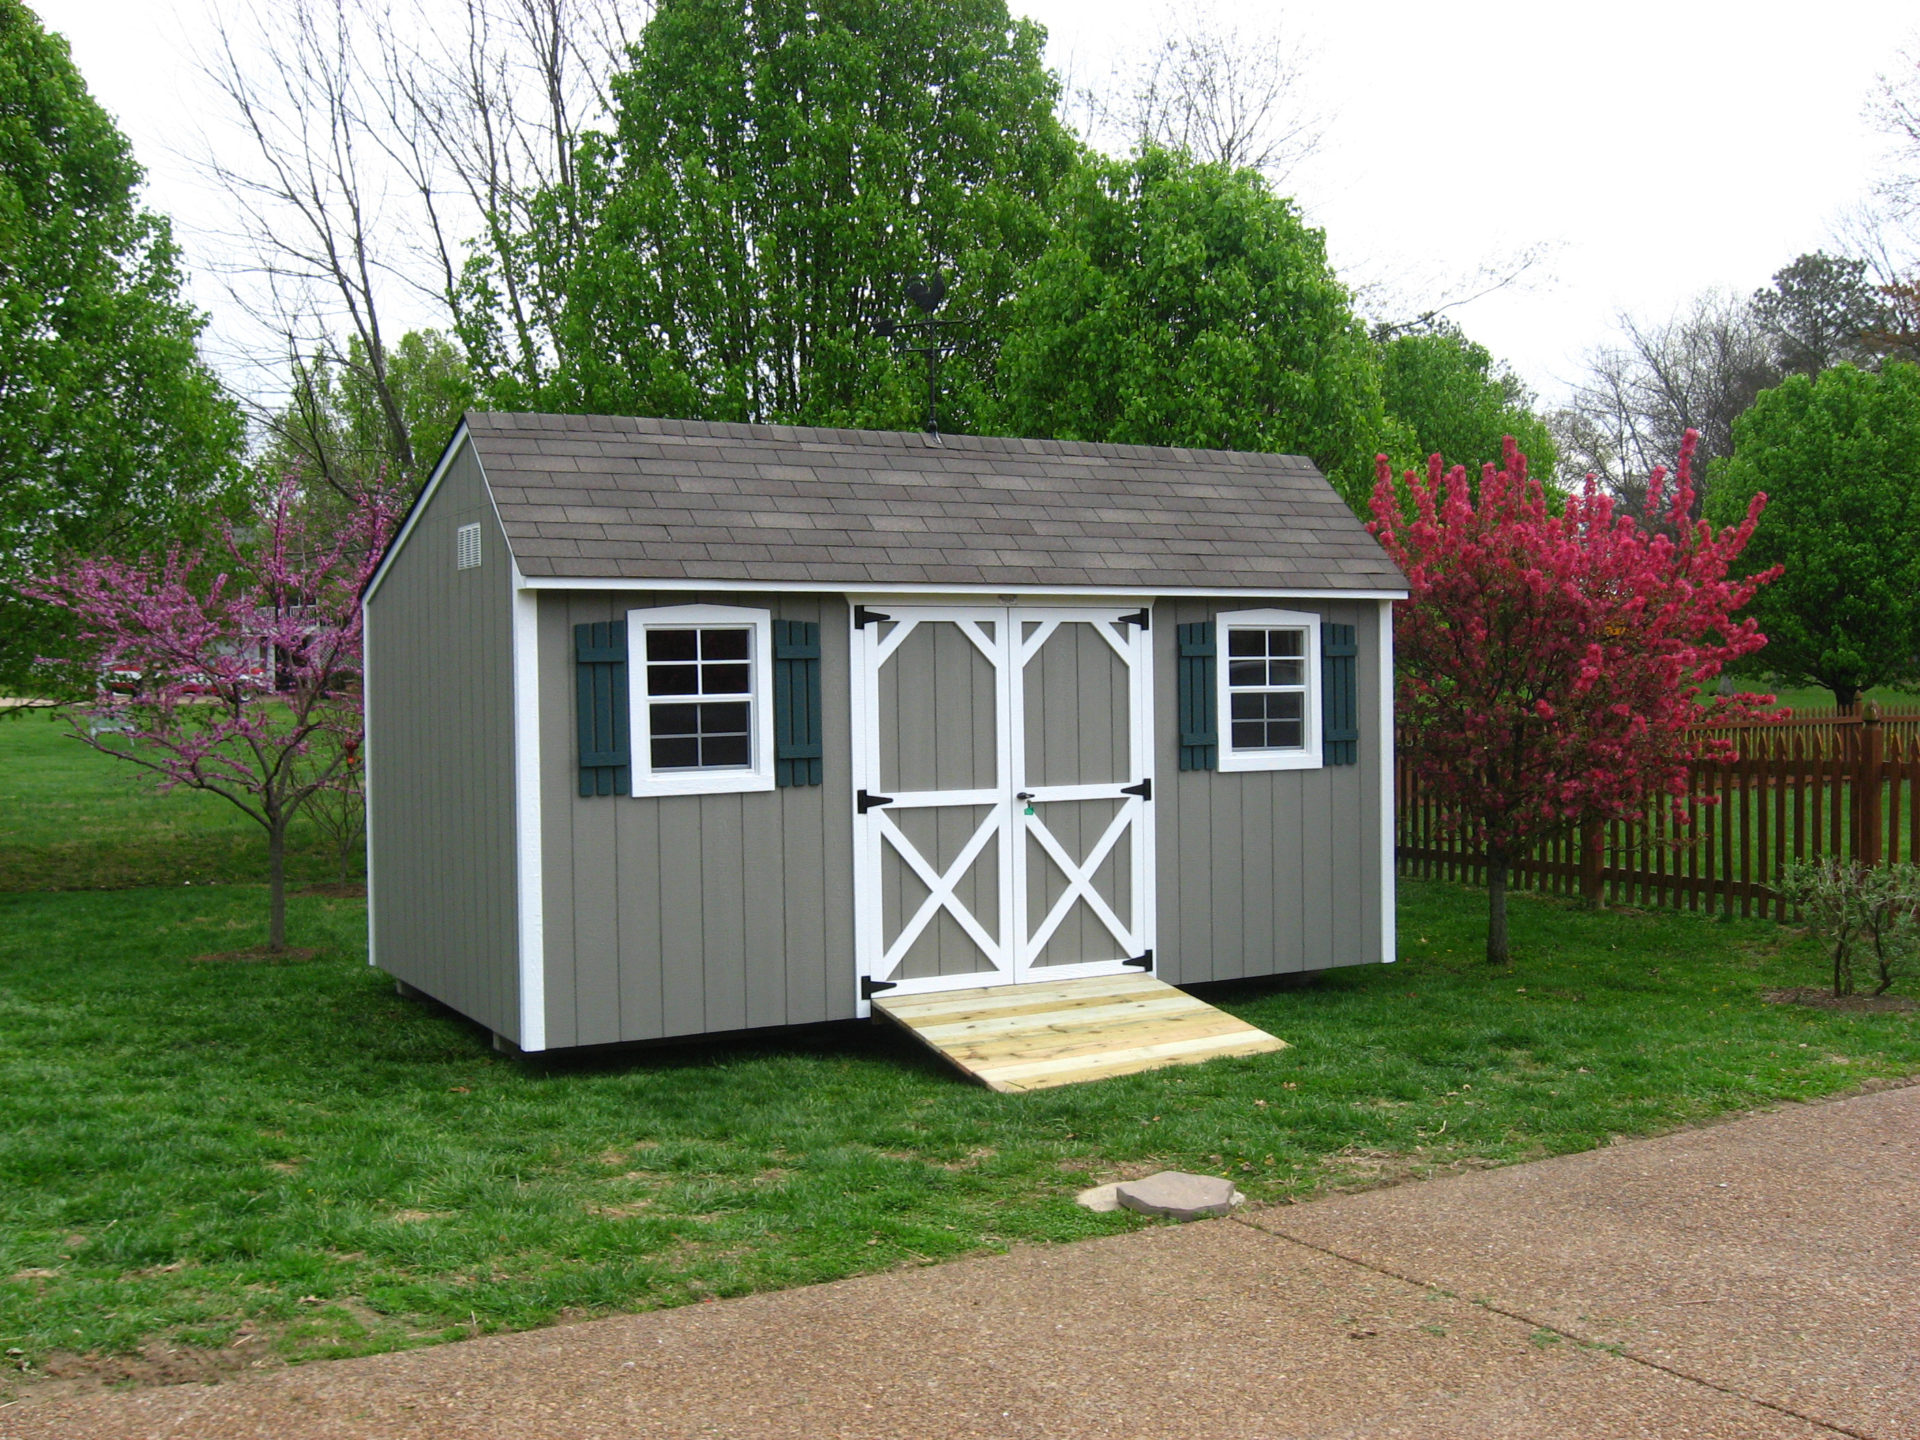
{"x":237,"y":670}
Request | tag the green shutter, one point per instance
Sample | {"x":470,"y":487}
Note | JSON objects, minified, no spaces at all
{"x":1339,"y":696}
{"x":1199,"y":731}
{"x":796,"y":702}
{"x":600,"y":671}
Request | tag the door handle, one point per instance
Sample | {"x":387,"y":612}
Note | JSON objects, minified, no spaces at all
{"x":1024,"y":795}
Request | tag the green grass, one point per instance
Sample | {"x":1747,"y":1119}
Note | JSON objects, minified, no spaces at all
{"x":1802,"y":698}
{"x":251,"y":1160}
{"x":74,"y":819}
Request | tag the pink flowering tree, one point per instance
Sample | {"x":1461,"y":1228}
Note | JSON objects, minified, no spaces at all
{"x":1551,"y":664}
{"x":234,"y":671}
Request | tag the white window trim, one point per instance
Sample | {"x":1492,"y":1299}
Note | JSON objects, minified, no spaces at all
{"x":758,"y":776}
{"x":1308,"y":757}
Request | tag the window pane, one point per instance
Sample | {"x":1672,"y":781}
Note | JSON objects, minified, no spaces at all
{"x":718,"y":750}
{"x":676,"y":719}
{"x":673,"y":679}
{"x":723,"y":644}
{"x":1248,"y":707}
{"x":672,"y":644}
{"x":675,"y":754}
{"x":1285,"y":706}
{"x":726,"y":679}
{"x":1246,"y":642}
{"x":1249,"y":735}
{"x":1286,"y":642}
{"x":1286,"y":672}
{"x":1246,"y":672}
{"x":1284,"y":735}
{"x":723,"y":719}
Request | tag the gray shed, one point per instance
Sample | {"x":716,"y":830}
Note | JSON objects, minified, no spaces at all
{"x":678,"y":728}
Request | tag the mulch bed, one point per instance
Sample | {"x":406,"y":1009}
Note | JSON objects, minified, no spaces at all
{"x":1821,"y":999}
{"x":255,"y":955}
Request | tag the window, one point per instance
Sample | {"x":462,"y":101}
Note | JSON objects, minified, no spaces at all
{"x":702,"y":720}
{"x":1269,"y":703}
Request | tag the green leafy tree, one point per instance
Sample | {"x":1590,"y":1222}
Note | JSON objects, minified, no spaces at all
{"x":1822,"y":311}
{"x":334,"y":429}
{"x":114,"y":437}
{"x":1838,"y":458}
{"x":1448,"y":392}
{"x":777,"y":172}
{"x":1187,"y":304}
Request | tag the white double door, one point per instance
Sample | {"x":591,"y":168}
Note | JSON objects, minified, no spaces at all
{"x":1003,"y":825}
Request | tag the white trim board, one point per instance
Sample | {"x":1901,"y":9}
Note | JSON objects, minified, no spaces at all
{"x":1389,"y":939}
{"x":974,"y":594}
{"x":528,"y":861}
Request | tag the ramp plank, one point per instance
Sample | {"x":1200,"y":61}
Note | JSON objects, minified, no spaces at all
{"x":1033,"y":1037}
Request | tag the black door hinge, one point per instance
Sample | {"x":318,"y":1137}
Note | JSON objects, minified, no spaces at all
{"x":870,"y":987}
{"x":866,"y":802}
{"x":1144,"y":789}
{"x":862,"y":617}
{"x":1138,"y":617}
{"x":1141,"y":962}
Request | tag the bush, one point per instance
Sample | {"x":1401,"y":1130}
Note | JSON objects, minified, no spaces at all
{"x":1870,"y":916}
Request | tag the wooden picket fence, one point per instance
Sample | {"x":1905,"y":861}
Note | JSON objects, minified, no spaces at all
{"x":1803,"y":789}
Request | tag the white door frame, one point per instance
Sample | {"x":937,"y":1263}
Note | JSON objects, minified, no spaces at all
{"x":1010,"y":948}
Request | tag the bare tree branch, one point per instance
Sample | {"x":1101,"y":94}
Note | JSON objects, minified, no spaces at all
{"x":1222,"y":92}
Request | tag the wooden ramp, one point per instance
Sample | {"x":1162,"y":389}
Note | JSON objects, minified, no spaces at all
{"x":1032,"y":1037}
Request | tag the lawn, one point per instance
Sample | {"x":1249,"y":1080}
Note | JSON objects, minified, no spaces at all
{"x":73,"y":819}
{"x":210,"y":1162}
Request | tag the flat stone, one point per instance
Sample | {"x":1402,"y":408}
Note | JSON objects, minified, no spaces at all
{"x":1100,"y":1199}
{"x":1178,"y":1195}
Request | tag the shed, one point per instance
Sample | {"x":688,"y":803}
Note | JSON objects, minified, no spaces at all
{"x":677,"y":728}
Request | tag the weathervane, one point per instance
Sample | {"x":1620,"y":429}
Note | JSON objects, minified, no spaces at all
{"x":936,"y":337}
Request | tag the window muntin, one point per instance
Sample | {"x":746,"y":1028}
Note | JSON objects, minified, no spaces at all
{"x":1267,"y":687}
{"x":1268,"y":699}
{"x":688,"y":728}
{"x":703,"y":699}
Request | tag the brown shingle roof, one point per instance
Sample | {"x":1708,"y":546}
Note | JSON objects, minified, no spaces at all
{"x":606,"y":497}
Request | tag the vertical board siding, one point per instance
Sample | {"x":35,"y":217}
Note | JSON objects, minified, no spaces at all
{"x":440,"y":777}
{"x":1265,"y":872}
{"x":691,"y":914}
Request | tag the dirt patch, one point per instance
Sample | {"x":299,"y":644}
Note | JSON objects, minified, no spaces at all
{"x":255,"y":955}
{"x":415,"y":1217}
{"x":1821,"y":999}
{"x":338,"y":890}
{"x":64,"y":1373}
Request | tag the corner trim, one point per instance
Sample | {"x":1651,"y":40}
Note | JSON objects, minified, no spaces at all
{"x":527,"y":815}
{"x":1389,"y":939}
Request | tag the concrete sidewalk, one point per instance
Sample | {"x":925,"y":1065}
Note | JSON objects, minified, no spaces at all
{"x":1758,"y":1279}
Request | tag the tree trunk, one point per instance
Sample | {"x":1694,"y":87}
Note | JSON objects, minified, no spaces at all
{"x":1846,"y":695}
{"x":276,"y":886}
{"x":1497,"y":952}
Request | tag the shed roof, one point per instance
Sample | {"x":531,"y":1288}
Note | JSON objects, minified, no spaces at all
{"x":607,"y":497}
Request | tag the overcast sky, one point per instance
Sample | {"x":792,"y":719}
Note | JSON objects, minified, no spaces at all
{"x":1651,"y":148}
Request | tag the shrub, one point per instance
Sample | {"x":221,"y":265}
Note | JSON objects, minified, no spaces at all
{"x":1869,"y":915}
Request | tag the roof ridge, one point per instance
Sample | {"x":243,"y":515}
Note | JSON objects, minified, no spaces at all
{"x":553,"y":421}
